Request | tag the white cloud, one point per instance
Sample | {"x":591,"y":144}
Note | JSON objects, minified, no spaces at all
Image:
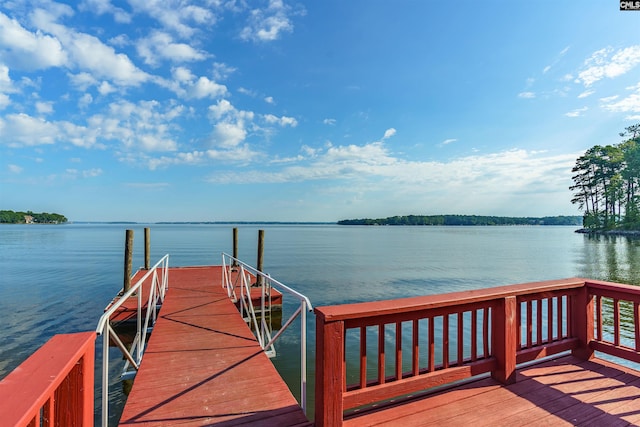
{"x":448,"y":141}
{"x":577,"y":112}
{"x":269,"y":100}
{"x":5,"y":101}
{"x":24,"y":130}
{"x":14,"y":168}
{"x":330,"y":122}
{"x":607,"y":63}
{"x":526,"y":95}
{"x":187,"y":85}
{"x":630,"y":104}
{"x":227,"y":134}
{"x":89,"y":54}
{"x":205,"y":88}
{"x":88,"y":173}
{"x":282,"y":121}
{"x":268,"y":24}
{"x":101,"y":7}
{"x":494,"y":178}
{"x":28,"y":50}
{"x":586,"y":93}
{"x":389,"y":133}
{"x":222,"y":71}
{"x":44,"y":107}
{"x":175,"y":15}
{"x":160,"y":46}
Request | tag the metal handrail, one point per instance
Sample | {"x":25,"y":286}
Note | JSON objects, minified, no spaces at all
{"x":242,"y":280}
{"x":157,"y":292}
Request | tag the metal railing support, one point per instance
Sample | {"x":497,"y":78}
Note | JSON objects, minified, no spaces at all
{"x":242,"y":280}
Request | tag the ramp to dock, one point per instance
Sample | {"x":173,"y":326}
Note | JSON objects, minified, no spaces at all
{"x":203,"y":365}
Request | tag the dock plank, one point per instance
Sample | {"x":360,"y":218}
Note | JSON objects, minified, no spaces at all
{"x":564,"y":391}
{"x":203,"y":365}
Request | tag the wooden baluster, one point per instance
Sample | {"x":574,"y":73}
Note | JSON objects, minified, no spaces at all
{"x":381,"y":358}
{"x":432,"y":345}
{"x":616,"y":322}
{"x":485,"y":333}
{"x":398,"y":350}
{"x":363,"y":356}
{"x":636,"y":323}
{"x":474,"y":335}
{"x":529,"y":324}
{"x":539,"y":321}
{"x":519,"y":326}
{"x":445,"y":341}
{"x":460,"y":338}
{"x":599,"y":318}
{"x":560,"y":319}
{"x":415,"y":365}
{"x":550,"y":319}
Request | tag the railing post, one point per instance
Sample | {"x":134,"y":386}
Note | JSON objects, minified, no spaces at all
{"x":582,"y":322}
{"x":329,"y":372}
{"x":128,"y":254}
{"x":147,"y":248}
{"x":260,"y":256}
{"x":504,"y":333}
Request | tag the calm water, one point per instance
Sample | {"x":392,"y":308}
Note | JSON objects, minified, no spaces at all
{"x":58,"y":279}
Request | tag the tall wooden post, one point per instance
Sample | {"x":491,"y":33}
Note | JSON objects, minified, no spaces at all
{"x":329,"y":372}
{"x":582,"y":321}
{"x":128,"y":255}
{"x":235,"y":246}
{"x":504,"y":335}
{"x":147,"y":248}
{"x":260,"y":255}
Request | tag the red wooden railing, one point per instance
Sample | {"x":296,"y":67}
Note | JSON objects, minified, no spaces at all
{"x":54,"y":386}
{"x":376,"y":351}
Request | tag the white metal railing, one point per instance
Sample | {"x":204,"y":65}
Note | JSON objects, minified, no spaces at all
{"x":236,"y":279}
{"x":159,"y":283}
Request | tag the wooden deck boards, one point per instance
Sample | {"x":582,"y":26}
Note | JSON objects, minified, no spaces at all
{"x":565,"y":391}
{"x":203,"y":366}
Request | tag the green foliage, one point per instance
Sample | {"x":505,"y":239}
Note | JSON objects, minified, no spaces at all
{"x":11,"y":217}
{"x":606,"y":184}
{"x":463,"y":220}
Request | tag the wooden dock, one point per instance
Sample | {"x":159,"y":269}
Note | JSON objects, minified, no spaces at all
{"x":203,"y":365}
{"x":561,"y":392}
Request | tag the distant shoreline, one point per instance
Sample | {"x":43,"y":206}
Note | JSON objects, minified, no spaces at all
{"x":627,"y":233}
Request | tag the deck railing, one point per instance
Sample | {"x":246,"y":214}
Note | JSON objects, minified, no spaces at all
{"x":376,"y":351}
{"x":53,"y":387}
{"x":155,"y":282}
{"x":238,"y":279}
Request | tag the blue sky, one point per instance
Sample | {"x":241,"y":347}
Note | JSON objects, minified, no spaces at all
{"x":214,"y":110}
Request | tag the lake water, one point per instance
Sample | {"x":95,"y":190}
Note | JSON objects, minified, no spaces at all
{"x":58,"y":279}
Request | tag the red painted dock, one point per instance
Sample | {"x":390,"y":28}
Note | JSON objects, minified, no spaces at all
{"x":203,"y":366}
{"x":565,"y":391}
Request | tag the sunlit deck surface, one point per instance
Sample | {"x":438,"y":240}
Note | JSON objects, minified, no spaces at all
{"x":564,"y":391}
{"x":203,"y":365}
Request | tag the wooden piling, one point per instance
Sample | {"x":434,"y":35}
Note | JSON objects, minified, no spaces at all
{"x":147,"y":248}
{"x":260,"y":255}
{"x":235,"y":246}
{"x":128,"y":258}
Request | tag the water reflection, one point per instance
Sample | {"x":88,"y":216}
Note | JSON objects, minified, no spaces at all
{"x":611,"y":258}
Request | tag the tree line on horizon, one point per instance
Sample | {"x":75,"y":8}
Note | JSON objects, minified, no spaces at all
{"x":606,"y":184}
{"x":464,"y":220}
{"x":11,"y":217}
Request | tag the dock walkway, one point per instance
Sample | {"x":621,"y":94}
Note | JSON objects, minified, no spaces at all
{"x":203,"y":365}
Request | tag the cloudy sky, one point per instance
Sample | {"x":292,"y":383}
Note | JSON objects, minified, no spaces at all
{"x":216,"y":110}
